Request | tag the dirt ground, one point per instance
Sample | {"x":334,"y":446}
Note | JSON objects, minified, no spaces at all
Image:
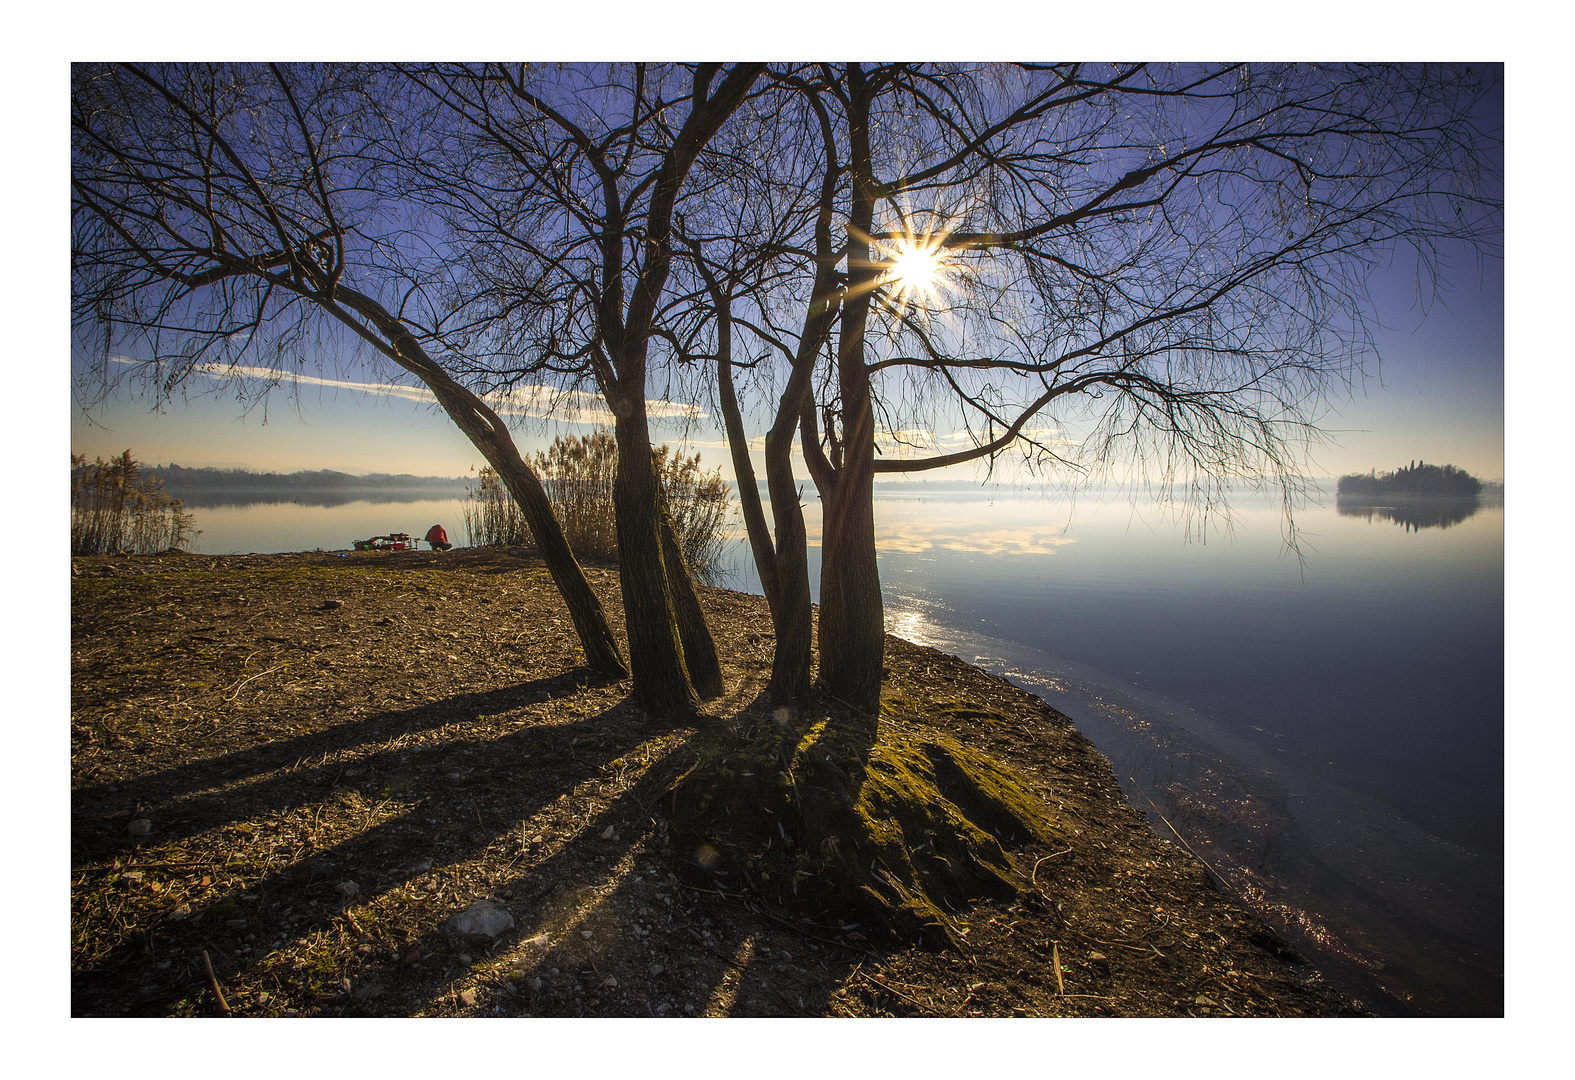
{"x":297,"y":769}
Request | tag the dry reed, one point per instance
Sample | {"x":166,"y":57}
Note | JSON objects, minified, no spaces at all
{"x":578,"y":472}
{"x":117,"y":508}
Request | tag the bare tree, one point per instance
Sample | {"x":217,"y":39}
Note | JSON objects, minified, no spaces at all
{"x":1159,"y":266}
{"x":227,"y":218}
{"x":565,"y":181}
{"x":779,"y":190}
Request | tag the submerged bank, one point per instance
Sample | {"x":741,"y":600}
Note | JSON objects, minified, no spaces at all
{"x":333,"y":755}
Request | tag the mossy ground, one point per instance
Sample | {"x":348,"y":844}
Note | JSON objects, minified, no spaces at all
{"x":336,"y":755}
{"x":848,"y":817}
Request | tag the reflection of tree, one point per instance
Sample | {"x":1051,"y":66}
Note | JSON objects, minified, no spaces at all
{"x":1415,"y":512}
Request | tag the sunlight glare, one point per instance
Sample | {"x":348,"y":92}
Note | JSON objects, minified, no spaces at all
{"x":918,"y":270}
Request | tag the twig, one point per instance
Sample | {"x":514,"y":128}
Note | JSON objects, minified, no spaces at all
{"x":243,"y":682}
{"x":1218,"y":876}
{"x":713,"y":891}
{"x":795,"y":927}
{"x":899,"y":993}
{"x":1033,"y":878}
{"x":214,"y":979}
{"x":1055,"y":959}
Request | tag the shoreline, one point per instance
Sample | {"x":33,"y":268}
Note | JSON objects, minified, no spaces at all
{"x":252,"y":664}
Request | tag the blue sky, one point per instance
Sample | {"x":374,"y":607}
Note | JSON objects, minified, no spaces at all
{"x":1438,"y":395}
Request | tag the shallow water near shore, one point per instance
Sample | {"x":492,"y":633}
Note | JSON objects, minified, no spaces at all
{"x":1326,"y":734}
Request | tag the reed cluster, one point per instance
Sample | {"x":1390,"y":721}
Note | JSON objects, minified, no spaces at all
{"x":119,"y":508}
{"x":578,"y":472}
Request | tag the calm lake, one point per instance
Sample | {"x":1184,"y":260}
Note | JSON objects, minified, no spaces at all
{"x":1326,"y":734}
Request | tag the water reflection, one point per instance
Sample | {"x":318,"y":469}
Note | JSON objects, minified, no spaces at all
{"x":1415,"y":512}
{"x":212,"y":498}
{"x":914,"y":537}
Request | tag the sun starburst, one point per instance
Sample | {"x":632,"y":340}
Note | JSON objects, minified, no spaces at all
{"x":919,"y":270}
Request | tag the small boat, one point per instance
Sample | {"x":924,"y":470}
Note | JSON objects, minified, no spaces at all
{"x":391,"y":542}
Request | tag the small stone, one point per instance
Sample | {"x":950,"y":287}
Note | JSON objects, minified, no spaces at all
{"x":344,"y":985}
{"x":657,"y":969}
{"x":262,"y":997}
{"x":463,"y":958}
{"x":331,"y":605}
{"x":132,"y":877}
{"x":180,"y":912}
{"x":347,"y":889}
{"x":534,"y":984}
{"x":608,"y":833}
{"x":481,"y":921}
{"x":468,"y":997}
{"x":585,"y":933}
{"x":140,"y":827}
{"x":610,"y":982}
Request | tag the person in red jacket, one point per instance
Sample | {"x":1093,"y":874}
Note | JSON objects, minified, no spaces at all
{"x":438,"y":538}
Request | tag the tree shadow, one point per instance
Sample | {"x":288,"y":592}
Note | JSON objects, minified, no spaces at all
{"x":708,"y":947}
{"x":603,"y":927}
{"x":99,"y":812}
{"x":290,"y":878}
{"x":842,"y":816}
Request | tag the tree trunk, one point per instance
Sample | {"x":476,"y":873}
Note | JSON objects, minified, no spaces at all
{"x":700,"y":659}
{"x":490,"y":435}
{"x":656,"y":655}
{"x":743,"y":470}
{"x":585,"y":609}
{"x":783,"y":567}
{"x":851,"y":611}
{"x":791,"y":613}
{"x":852,"y":620}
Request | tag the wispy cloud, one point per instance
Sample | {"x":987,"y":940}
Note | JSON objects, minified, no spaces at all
{"x":534,"y":400}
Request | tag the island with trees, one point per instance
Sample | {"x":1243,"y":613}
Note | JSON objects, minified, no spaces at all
{"x":1410,"y":481}
{"x":1417,"y":496}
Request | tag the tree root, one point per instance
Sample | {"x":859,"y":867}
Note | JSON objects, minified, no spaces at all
{"x":890,"y":824}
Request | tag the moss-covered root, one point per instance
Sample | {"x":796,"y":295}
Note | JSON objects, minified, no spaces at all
{"x":896,"y":826}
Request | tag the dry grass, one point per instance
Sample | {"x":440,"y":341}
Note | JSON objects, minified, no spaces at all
{"x":335,"y":755}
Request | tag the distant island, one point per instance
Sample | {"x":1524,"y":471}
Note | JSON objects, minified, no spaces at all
{"x":1419,"y":496}
{"x":319,"y":487}
{"x":1416,"y":479}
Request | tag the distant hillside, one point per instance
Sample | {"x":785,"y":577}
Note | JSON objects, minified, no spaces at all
{"x":1415,"y":479}
{"x":179,"y":478}
{"x":202,"y":488}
